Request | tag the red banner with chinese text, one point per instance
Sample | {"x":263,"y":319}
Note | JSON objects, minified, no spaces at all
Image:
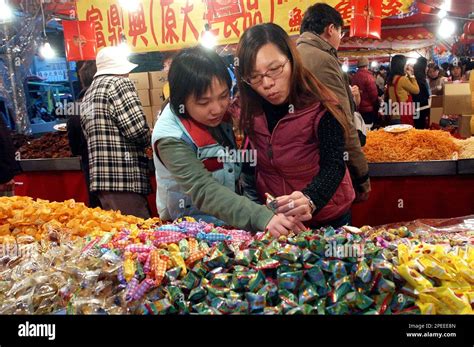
{"x":160,"y":25}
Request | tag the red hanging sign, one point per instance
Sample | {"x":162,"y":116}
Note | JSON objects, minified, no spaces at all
{"x":366,"y":19}
{"x":80,"y":40}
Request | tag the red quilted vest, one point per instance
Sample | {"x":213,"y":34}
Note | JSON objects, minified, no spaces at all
{"x":288,"y":159}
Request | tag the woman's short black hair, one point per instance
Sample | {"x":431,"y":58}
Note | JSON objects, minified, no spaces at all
{"x":318,"y":16}
{"x":191,"y":74}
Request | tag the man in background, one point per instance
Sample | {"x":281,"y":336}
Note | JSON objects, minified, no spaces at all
{"x":117,"y":134}
{"x":321,"y":34}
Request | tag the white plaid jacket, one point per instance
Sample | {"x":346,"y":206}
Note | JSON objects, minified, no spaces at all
{"x":117,"y":134}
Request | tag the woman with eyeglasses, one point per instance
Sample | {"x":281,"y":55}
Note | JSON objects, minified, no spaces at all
{"x":190,"y":139}
{"x":297,"y":128}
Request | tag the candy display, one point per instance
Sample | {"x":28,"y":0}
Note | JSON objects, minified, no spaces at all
{"x":50,"y":145}
{"x":191,"y":267}
{"x":25,"y":216}
{"x":412,"y":145}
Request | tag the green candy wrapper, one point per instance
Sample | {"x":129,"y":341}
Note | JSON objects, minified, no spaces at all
{"x":228,"y":306}
{"x":173,"y":274}
{"x":342,"y":287}
{"x":303,"y":309}
{"x":363,"y":272}
{"x":309,"y":257}
{"x":300,"y":241}
{"x":339,"y":308}
{"x":385,"y":286}
{"x":288,"y":298}
{"x":338,"y":269}
{"x":289,"y":252}
{"x":318,"y":247}
{"x":270,"y":291}
{"x":308,"y":294}
{"x":240,"y":280}
{"x":243,"y":258}
{"x":200,"y":270}
{"x":359,"y":300}
{"x":316,"y":276}
{"x":190,"y":281}
{"x":256,"y":302}
{"x":216,"y":259}
{"x":290,"y":280}
{"x":383,"y":266}
{"x":202,"y":308}
{"x":321,"y":306}
{"x":289,"y":267}
{"x":177,"y":298}
{"x":197,"y":294}
{"x":267,"y":264}
{"x":234,"y":295}
{"x":216,"y":292}
{"x":271,"y":249}
{"x":400,"y":302}
{"x":184,"y":248}
{"x":257,"y":282}
{"x":325,"y":265}
{"x":221,"y":280}
{"x":329,"y":232}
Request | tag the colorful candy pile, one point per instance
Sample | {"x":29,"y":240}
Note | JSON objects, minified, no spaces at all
{"x":193,"y":267}
{"x":331,"y":273}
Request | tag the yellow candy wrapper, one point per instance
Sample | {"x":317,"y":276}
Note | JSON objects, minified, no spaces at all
{"x":414,"y":277}
{"x":176,"y":258}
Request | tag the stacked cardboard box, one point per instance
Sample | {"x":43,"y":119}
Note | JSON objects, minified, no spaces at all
{"x":436,"y":109}
{"x":150,"y":91}
{"x":457,"y":100}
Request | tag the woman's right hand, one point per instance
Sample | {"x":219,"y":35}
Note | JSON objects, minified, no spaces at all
{"x":282,"y":225}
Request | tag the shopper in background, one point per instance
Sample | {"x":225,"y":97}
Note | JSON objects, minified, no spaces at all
{"x":77,"y":141}
{"x":368,"y":90}
{"x":318,"y":44}
{"x":8,"y":165}
{"x":422,"y":98}
{"x":445,"y":72}
{"x":435,"y":79}
{"x":117,"y":134}
{"x":189,"y":141}
{"x":400,"y":89}
{"x":380,"y":80}
{"x":456,"y":72}
{"x":294,"y":123}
